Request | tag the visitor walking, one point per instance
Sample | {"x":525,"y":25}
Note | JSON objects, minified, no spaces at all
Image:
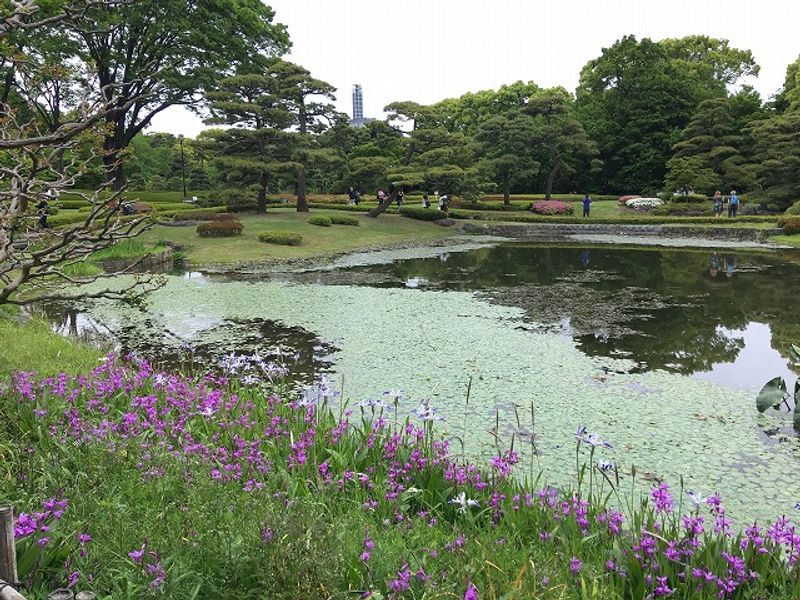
{"x":733,"y":204}
{"x":400,"y":197}
{"x":41,"y":209}
{"x":443,"y":200}
{"x":587,"y":205}
{"x":381,"y":196}
{"x":426,"y":203}
{"x":718,"y":203}
{"x":351,"y":196}
{"x":357,"y":198}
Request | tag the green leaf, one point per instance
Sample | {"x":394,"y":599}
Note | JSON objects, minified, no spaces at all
{"x":796,"y":350}
{"x":797,"y":405}
{"x":771,"y":394}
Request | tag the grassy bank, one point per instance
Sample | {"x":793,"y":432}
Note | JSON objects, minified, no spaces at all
{"x":136,"y":484}
{"x":385,"y":230}
{"x":34,"y":346}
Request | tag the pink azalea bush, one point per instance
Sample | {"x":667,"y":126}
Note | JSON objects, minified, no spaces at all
{"x":552,"y":207}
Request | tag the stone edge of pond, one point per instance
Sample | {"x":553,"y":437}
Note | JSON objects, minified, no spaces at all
{"x":656,"y":235}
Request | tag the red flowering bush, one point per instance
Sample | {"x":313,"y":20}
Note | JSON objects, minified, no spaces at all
{"x":624,"y":199}
{"x":552,"y":207}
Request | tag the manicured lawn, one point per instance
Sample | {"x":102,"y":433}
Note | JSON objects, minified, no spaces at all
{"x":788,"y":240}
{"x":385,"y":230}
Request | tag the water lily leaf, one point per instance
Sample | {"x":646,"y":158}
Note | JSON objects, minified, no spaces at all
{"x":771,"y":394}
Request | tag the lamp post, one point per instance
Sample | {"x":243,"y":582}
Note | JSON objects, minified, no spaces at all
{"x":183,"y":166}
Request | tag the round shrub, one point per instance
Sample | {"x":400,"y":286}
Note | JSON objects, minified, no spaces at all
{"x":791,"y":226}
{"x":219,"y":229}
{"x":552,"y":207}
{"x":344,"y":220}
{"x":794,"y":209}
{"x":283,"y":238}
{"x":225,"y":217}
{"x":422,"y":214}
{"x":682,"y":210}
{"x":320,"y":221}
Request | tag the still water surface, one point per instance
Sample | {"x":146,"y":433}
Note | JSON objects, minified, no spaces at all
{"x":660,"y":351}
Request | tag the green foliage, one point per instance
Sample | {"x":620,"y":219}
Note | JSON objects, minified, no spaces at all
{"x":200,"y":214}
{"x":687,"y":173}
{"x":344,"y":220}
{"x":422,"y":214}
{"x":791,"y":226}
{"x":776,"y":157}
{"x":219,"y":229}
{"x":683,"y":210}
{"x":320,"y":221}
{"x":794,"y":209}
{"x":282,"y":238}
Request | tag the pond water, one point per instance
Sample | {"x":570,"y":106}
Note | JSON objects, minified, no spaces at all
{"x":660,"y":351}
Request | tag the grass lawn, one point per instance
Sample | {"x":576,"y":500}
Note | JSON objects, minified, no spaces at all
{"x":386,"y":229}
{"x":787,"y":240}
{"x":37,"y":348}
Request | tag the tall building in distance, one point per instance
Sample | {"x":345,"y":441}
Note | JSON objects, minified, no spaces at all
{"x":358,"y":119}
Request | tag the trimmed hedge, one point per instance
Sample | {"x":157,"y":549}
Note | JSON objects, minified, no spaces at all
{"x":283,"y":238}
{"x":537,"y":197}
{"x":422,"y":214}
{"x":200,"y":214}
{"x":220,"y":229}
{"x":683,"y":210}
{"x":225,"y":216}
{"x":320,"y":221}
{"x":72,"y":204}
{"x":790,"y":225}
{"x":633,"y":220}
{"x":344,"y":220}
{"x":794,"y":209}
{"x":344,"y":207}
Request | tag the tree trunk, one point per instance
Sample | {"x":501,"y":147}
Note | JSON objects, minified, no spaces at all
{"x":381,"y":208}
{"x":302,"y":203}
{"x":507,"y":189}
{"x":262,"y":192}
{"x":113,"y":146}
{"x":551,"y":179}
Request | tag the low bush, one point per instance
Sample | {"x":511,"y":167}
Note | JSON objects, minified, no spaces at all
{"x":552,"y":207}
{"x":344,"y":220}
{"x":794,"y":209}
{"x":320,"y":221}
{"x":634,"y":218}
{"x":72,"y":204}
{"x":791,"y":226}
{"x":200,"y":214}
{"x":344,"y":207}
{"x":243,"y":207}
{"x":691,"y":198}
{"x":422,"y":214}
{"x":225,"y":216}
{"x":219,"y":229}
{"x":624,"y":199}
{"x":282,"y":238}
{"x":683,"y":210}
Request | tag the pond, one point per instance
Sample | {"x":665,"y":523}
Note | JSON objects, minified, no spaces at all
{"x":659,"y":351}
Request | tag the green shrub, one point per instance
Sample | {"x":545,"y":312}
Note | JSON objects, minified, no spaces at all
{"x":423,"y":214}
{"x":243,"y":207}
{"x":691,"y":198}
{"x":72,"y":204}
{"x":791,"y":226}
{"x":320,"y":221}
{"x":794,"y":209}
{"x":225,"y":216}
{"x":344,"y":220}
{"x":219,"y":229}
{"x":200,"y":214}
{"x":283,"y":238}
{"x":683,"y":210}
{"x":343,"y":207}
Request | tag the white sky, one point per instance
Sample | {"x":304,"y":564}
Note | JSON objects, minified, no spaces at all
{"x":427,"y":50}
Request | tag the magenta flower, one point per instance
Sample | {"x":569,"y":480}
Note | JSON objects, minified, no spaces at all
{"x":575,"y":565}
{"x":471,"y":593}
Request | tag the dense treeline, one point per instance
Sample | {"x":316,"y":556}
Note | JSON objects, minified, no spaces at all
{"x":647,"y":117}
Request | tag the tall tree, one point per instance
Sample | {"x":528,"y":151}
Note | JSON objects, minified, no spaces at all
{"x":506,"y":147}
{"x":633,"y":101}
{"x":310,"y":100}
{"x":561,"y":135}
{"x":148,"y":55}
{"x":257,"y":146}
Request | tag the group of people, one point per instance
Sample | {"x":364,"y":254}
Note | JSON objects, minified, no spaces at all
{"x":733,"y":203}
{"x":354,"y":197}
{"x":442,"y":202}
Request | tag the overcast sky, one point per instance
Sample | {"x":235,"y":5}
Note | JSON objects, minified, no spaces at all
{"x":427,"y":50}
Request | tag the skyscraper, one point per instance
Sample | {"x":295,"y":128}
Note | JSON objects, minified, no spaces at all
{"x":358,"y":119}
{"x":358,"y":102}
